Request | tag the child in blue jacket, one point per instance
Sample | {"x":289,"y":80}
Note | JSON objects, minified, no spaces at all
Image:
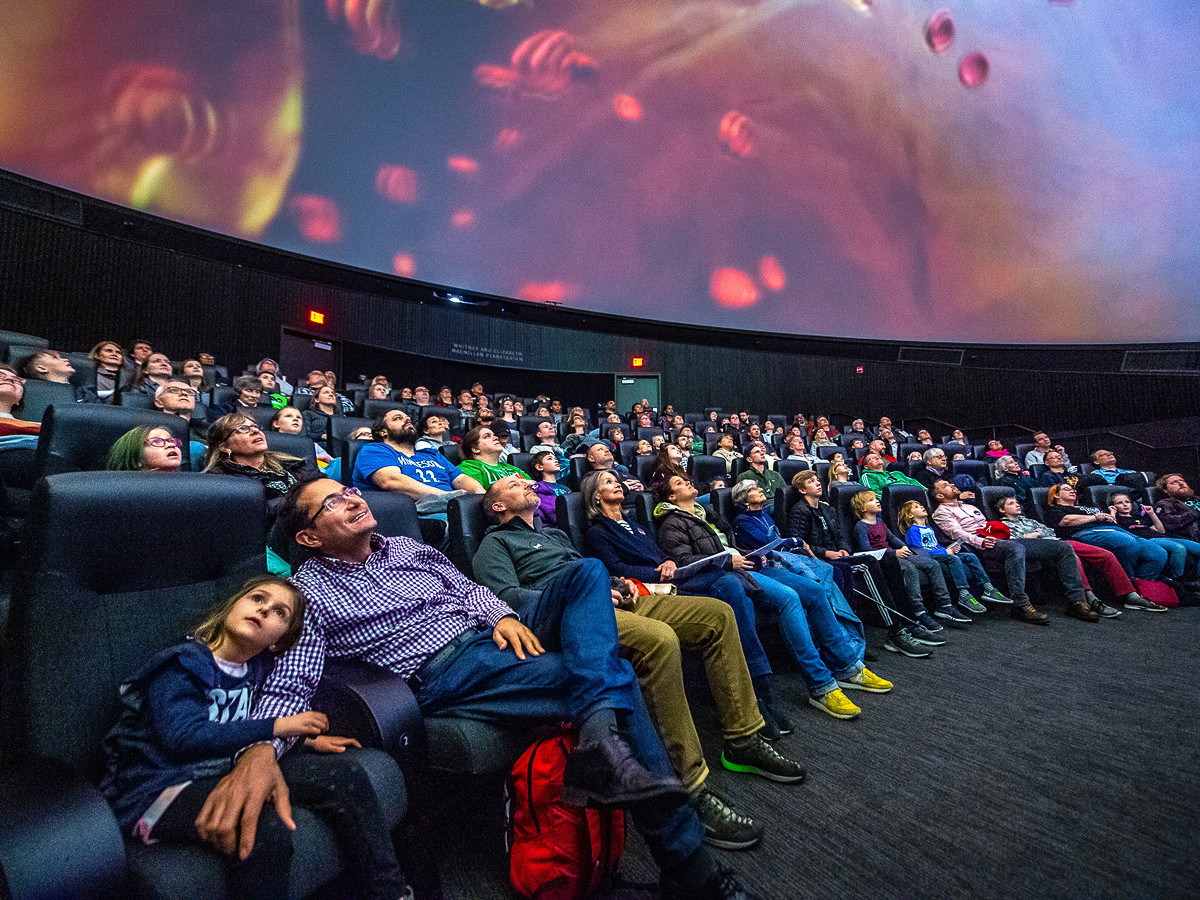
{"x":913,"y":520}
{"x":187,"y":712}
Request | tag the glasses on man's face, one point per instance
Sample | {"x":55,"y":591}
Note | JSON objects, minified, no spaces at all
{"x":178,"y":391}
{"x":247,"y":428}
{"x":334,"y":502}
{"x":161,"y":443}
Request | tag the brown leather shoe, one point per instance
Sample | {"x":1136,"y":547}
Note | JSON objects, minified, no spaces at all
{"x":1081,"y":611}
{"x":1028,"y":614}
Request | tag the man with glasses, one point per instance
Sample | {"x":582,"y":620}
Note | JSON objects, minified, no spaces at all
{"x":401,"y":605}
{"x":393,"y":463}
{"x":177,"y":398}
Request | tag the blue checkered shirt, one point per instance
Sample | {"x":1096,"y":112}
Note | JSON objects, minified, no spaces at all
{"x":397,"y":609}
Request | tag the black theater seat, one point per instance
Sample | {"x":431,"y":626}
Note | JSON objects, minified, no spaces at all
{"x":78,"y":437}
{"x":87,"y":612}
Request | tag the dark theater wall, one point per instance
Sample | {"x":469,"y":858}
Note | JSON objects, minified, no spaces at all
{"x":121,"y":276}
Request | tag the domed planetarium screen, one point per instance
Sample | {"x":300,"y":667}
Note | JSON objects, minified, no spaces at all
{"x":968,"y":171}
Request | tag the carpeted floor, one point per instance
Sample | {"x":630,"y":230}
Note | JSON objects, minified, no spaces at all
{"x":1016,"y":762}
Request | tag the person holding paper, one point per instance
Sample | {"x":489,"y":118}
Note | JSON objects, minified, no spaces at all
{"x":668,"y":613}
{"x":685,"y":533}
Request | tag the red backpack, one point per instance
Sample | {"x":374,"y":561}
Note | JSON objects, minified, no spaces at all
{"x":557,"y":851}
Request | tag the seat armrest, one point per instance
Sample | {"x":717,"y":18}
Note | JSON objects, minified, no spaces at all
{"x":368,"y":702}
{"x":58,"y":835}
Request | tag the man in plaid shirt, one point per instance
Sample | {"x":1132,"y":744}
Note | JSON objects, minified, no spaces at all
{"x":402,"y":605}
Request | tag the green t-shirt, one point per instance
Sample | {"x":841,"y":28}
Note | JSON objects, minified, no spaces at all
{"x":488,"y":475}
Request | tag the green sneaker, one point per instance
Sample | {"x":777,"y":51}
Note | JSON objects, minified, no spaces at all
{"x":970,"y":604}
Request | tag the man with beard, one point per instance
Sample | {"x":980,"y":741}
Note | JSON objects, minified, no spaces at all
{"x":1179,"y":510}
{"x":393,"y":463}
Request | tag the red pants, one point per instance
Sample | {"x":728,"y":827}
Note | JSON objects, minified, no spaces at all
{"x":1103,"y":562}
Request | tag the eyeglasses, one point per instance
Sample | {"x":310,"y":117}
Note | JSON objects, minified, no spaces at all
{"x":178,"y":391}
{"x":160,"y":443}
{"x":334,"y":502}
{"x":247,"y":428}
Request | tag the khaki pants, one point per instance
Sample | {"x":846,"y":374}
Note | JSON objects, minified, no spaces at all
{"x":651,"y":638}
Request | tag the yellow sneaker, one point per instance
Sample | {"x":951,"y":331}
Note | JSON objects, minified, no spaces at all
{"x":866,"y":680}
{"x":836,"y":704}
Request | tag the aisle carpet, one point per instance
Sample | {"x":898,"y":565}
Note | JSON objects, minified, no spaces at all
{"x":1017,"y":762}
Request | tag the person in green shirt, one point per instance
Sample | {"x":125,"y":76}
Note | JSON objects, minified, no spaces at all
{"x":760,"y":473}
{"x":874,"y":475}
{"x":481,"y":451}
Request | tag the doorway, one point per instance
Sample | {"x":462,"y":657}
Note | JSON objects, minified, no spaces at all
{"x":631,"y":389}
{"x":300,"y":353}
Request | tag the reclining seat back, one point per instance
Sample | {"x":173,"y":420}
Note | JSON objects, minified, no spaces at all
{"x":572,"y":517}
{"x":466,"y":525}
{"x":893,"y":500}
{"x":78,"y":437}
{"x":89,"y":609}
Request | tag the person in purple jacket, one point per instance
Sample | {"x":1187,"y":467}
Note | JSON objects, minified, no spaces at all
{"x":545,"y":468}
{"x":185,"y":715}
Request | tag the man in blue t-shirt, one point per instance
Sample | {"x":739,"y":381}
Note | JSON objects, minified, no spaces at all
{"x":393,"y":464}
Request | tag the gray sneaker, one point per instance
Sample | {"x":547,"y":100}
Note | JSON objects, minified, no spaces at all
{"x":994,"y":596}
{"x":1137,"y":601}
{"x":900,"y":641}
{"x":760,"y":758}
{"x":923,"y":635}
{"x":970,"y":604}
{"x":723,"y":827}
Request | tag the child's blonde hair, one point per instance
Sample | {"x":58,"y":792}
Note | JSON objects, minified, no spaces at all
{"x":859,"y":502}
{"x":907,"y":515}
{"x":212,"y":630}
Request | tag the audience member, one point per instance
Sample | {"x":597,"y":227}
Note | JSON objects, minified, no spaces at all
{"x":247,"y":393}
{"x":545,"y":470}
{"x":1041,"y":446}
{"x":691,"y":620}
{"x":547,"y":439}
{"x":1057,"y":471}
{"x":481,"y":451}
{"x":1006,"y":471}
{"x":995,"y":450}
{"x":435,"y":433}
{"x":1107,"y":472}
{"x":237,"y":446}
{"x":145,"y":449}
{"x":288,"y":420}
{"x":871,"y":535}
{"x":154,"y":371}
{"x":192,"y":372}
{"x":1179,"y":510}
{"x":1139,"y":557}
{"x":600,"y":459}
{"x":393,"y":463}
{"x":685,"y":536}
{"x":316,"y":417}
{"x":961,"y":522}
{"x":176,"y":398}
{"x":814,"y":522}
{"x":873,"y":474}
{"x":139,"y":352}
{"x":727,"y":450}
{"x":109,"y":360}
{"x":913,"y":520}
{"x":1023,"y":528}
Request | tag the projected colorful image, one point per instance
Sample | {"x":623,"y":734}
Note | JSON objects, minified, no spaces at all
{"x":1014,"y":172}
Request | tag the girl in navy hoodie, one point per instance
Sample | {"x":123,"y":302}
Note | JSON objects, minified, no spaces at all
{"x":186,"y":714}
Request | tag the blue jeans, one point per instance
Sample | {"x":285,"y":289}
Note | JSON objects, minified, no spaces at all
{"x":1178,"y":551}
{"x":1139,"y":558}
{"x":807,"y":621}
{"x":729,"y":588}
{"x":574,"y":616}
{"x":960,"y":567}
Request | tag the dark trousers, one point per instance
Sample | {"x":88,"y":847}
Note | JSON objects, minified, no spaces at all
{"x":574,"y":615}
{"x":1011,"y":556}
{"x":337,"y":790}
